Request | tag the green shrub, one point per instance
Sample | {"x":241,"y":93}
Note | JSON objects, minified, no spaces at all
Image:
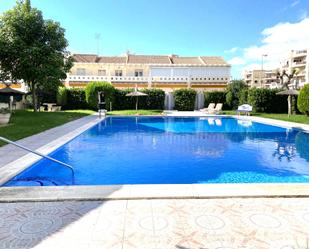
{"x":62,"y":96}
{"x":215,"y":97}
{"x":92,"y":90}
{"x":153,"y":101}
{"x":266,"y":100}
{"x":184,"y":99}
{"x":121,"y":101}
{"x":303,"y":100}
{"x":76,"y":99}
{"x":233,"y":92}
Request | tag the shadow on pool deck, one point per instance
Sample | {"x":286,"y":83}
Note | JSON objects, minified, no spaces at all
{"x":29,"y":223}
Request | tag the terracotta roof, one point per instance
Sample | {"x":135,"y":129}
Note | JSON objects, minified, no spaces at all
{"x":112,"y":59}
{"x":186,"y":60}
{"x":149,"y":59}
{"x":84,"y":57}
{"x":213,"y":60}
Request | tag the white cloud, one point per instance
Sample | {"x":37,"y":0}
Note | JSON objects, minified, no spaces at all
{"x":237,"y":61}
{"x":293,"y":4}
{"x":232,"y":50}
{"x":277,"y":41}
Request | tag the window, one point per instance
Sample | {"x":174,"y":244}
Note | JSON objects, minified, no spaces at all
{"x":101,"y":72}
{"x":118,"y":73}
{"x":81,"y":71}
{"x":138,"y":73}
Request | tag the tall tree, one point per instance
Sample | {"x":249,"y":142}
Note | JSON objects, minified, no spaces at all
{"x":33,"y":49}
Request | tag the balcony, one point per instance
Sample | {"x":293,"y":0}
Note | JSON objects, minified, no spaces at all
{"x":301,"y":52}
{"x":299,"y":63}
{"x":132,"y":79}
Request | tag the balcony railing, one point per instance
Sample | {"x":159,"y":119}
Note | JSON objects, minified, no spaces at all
{"x":299,"y":63}
{"x":304,"y":51}
{"x":132,"y":79}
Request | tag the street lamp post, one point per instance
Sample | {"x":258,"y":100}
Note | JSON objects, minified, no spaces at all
{"x":262,"y":70}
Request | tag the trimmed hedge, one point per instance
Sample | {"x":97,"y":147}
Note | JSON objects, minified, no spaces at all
{"x":215,"y":97}
{"x":184,"y":99}
{"x":92,"y":90}
{"x":233,"y":92}
{"x":266,"y":100}
{"x":121,"y":101}
{"x":72,"y":98}
{"x":76,"y":99}
{"x":153,"y":101}
{"x":62,"y":96}
{"x":303,"y":100}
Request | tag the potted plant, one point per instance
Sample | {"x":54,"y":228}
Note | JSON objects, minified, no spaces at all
{"x":4,"y":115}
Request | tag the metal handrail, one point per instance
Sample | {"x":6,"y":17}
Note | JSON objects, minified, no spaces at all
{"x":37,"y":153}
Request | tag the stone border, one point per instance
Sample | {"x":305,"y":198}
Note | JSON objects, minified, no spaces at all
{"x":13,"y":168}
{"x":153,"y":191}
{"x":147,"y":191}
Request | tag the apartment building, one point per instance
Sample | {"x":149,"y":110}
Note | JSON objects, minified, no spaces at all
{"x":261,"y":78}
{"x":149,"y":71}
{"x":298,"y":59}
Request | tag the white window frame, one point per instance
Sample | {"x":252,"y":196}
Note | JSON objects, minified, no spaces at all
{"x":138,"y":73}
{"x":118,"y":73}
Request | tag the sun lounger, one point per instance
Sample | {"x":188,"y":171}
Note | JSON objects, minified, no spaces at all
{"x":210,"y":107}
{"x":217,"y":109}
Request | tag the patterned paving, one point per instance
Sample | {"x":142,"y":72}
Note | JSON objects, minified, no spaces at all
{"x":276,"y":223}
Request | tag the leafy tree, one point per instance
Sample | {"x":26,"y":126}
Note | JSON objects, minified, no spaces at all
{"x":233,"y":92}
{"x":33,"y":49}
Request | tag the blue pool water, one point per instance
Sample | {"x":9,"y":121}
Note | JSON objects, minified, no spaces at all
{"x":171,"y":150}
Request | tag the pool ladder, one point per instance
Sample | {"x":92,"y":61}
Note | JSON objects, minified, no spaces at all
{"x":38,"y":153}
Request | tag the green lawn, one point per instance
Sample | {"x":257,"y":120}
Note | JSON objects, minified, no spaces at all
{"x":299,"y":118}
{"x":303,"y":119}
{"x":134,"y":112}
{"x":25,"y":123}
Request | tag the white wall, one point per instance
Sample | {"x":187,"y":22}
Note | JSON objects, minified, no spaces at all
{"x":193,"y":72}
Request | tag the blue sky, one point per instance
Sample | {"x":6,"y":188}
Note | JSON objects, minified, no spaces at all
{"x":229,"y":28}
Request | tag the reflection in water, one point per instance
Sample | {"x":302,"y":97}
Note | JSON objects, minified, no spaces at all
{"x":285,"y":150}
{"x":244,"y":123}
{"x":302,"y":145}
{"x":285,"y":147}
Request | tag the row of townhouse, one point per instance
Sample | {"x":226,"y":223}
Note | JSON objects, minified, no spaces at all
{"x":151,"y":71}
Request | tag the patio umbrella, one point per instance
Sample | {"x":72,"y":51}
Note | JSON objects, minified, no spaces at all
{"x":7,"y":91}
{"x":136,"y":94}
{"x":289,"y":93}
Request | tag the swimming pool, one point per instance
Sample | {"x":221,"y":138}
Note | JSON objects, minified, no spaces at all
{"x":176,"y":150}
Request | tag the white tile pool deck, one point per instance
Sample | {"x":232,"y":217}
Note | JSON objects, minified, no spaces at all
{"x":151,"y":216}
{"x":259,"y":223}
